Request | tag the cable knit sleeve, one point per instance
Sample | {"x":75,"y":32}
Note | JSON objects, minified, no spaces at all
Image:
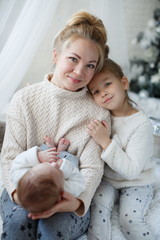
{"x":14,"y":139}
{"x":129,"y":162}
{"x":92,"y":169}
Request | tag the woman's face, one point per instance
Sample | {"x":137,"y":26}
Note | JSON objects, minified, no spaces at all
{"x":75,"y":64}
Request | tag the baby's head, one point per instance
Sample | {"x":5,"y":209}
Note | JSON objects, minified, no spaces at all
{"x":109,"y":86}
{"x":41,"y":187}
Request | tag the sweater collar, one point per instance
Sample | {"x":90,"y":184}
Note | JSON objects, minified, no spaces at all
{"x":63,"y":92}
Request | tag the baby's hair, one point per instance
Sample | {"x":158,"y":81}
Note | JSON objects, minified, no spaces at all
{"x":37,"y":193}
{"x":86,"y":26}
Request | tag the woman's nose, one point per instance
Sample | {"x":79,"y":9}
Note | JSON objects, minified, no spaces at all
{"x":78,"y":69}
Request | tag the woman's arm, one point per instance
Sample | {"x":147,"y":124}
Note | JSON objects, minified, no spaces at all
{"x":15,"y":140}
{"x":68,"y":204}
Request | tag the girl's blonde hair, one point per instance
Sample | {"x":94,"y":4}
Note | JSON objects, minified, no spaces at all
{"x":86,"y":26}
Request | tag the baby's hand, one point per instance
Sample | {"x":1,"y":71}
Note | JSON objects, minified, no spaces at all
{"x":99,"y":132}
{"x":59,"y":162}
{"x":49,"y":155}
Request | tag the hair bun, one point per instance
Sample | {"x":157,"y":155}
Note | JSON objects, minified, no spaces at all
{"x":81,"y":17}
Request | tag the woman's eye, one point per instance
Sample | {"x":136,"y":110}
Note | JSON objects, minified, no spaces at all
{"x":91,"y":66}
{"x":73,"y":59}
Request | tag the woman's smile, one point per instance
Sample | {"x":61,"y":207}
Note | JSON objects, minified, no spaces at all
{"x":74,"y":79}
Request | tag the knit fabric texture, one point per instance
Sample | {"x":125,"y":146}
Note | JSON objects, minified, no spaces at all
{"x":129,"y":156}
{"x":44,"y":109}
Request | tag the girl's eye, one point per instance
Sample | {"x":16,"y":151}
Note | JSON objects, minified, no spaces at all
{"x":95,"y":92}
{"x":91,"y":66}
{"x":107,"y":84}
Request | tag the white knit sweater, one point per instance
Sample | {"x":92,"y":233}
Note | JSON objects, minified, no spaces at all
{"x":128,"y":157}
{"x":44,"y":109}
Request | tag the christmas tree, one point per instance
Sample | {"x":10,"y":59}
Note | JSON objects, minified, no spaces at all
{"x":145,"y":72}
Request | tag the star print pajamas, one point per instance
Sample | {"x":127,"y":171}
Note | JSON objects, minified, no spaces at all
{"x":133,"y":202}
{"x":52,"y":228}
{"x":129,"y":175}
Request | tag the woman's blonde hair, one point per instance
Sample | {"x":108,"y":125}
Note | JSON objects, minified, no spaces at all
{"x":86,"y":26}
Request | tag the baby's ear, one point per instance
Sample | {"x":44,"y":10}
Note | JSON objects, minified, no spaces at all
{"x":125,"y":82}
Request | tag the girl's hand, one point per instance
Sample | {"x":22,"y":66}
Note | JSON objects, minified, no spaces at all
{"x":68,"y":204}
{"x":100,"y":133}
{"x":49,"y":155}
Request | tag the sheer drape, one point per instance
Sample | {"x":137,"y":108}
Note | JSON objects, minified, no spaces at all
{"x":5,"y":10}
{"x":113,"y":15}
{"x":23,"y":42}
{"x":30,"y":23}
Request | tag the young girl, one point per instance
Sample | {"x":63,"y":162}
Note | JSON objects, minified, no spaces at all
{"x":129,"y":171}
{"x":58,"y":107}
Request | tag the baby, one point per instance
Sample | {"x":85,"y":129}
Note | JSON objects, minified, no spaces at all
{"x":41,"y":177}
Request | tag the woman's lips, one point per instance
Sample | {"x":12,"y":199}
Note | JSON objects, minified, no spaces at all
{"x":74,"y":80}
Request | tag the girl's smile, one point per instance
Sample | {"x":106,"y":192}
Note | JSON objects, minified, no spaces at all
{"x":109,"y":92}
{"x":108,"y":99}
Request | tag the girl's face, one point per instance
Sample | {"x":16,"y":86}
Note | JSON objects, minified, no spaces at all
{"x":109,"y":91}
{"x":75,"y":65}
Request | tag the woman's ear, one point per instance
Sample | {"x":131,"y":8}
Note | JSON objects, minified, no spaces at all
{"x":54,"y":55}
{"x":125,"y":82}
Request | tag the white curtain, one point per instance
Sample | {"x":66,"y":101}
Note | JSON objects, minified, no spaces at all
{"x":22,"y":43}
{"x":112,"y":12}
{"x":22,"y":33}
{"x":5,"y":10}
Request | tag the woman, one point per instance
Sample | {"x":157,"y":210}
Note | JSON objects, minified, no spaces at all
{"x":58,"y":107}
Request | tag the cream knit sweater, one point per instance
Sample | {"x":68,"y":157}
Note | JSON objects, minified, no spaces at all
{"x":129,"y":156}
{"x":44,"y":109}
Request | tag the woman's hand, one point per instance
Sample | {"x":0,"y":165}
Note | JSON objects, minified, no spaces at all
{"x":68,"y":204}
{"x":99,"y":132}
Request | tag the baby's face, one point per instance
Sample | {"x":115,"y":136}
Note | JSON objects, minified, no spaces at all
{"x":51,"y":169}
